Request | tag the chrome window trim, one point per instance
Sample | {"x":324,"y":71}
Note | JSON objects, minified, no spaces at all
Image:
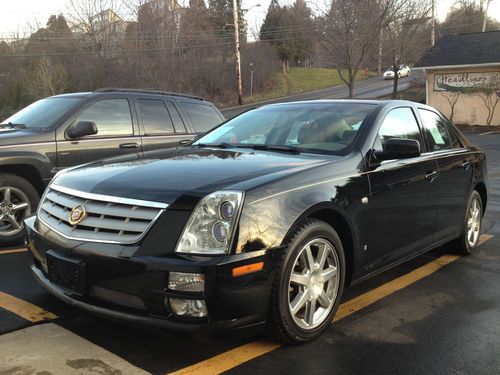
{"x":108,"y":198}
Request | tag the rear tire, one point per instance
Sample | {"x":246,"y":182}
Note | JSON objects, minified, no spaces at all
{"x":308,"y":283}
{"x":18,"y":199}
{"x":468,"y":240}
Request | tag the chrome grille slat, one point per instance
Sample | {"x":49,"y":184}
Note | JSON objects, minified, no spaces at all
{"x":113,"y":221}
{"x":106,"y":208}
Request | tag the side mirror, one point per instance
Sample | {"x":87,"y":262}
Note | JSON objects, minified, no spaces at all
{"x":399,"y":148}
{"x":82,"y":129}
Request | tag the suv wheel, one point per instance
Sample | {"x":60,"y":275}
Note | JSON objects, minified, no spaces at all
{"x":308,"y":285}
{"x":18,"y":199}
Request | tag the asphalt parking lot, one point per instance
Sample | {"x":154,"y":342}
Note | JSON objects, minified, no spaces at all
{"x":437,"y":314}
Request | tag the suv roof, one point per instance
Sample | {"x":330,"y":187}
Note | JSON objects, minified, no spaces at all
{"x":132,"y":91}
{"x":145,"y":91}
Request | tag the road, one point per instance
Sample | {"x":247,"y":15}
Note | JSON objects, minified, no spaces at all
{"x":437,"y":314}
{"x":371,"y":88}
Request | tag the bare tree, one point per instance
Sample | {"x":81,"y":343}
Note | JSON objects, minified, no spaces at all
{"x":95,"y":21}
{"x":452,"y":98}
{"x":490,"y":95}
{"x":46,"y":77}
{"x":404,"y":33}
{"x":349,"y":30}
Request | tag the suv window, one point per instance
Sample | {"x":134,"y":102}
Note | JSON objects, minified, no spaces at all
{"x":398,"y":123}
{"x":154,"y":116}
{"x":112,"y":117}
{"x":203,"y":117}
{"x":439,"y":135}
{"x":176,"y":118}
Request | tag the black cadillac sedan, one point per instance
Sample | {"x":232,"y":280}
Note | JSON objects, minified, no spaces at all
{"x":264,"y":220}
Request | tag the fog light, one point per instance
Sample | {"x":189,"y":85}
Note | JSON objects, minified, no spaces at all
{"x":188,"y":307}
{"x":188,"y":282}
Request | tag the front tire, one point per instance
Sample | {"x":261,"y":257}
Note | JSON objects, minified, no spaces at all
{"x":308,"y":284}
{"x":468,"y":240}
{"x":18,"y":199}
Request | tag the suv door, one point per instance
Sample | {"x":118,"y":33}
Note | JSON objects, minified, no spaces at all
{"x":161,"y":124}
{"x":116,"y":134}
{"x":403,"y":203}
{"x":455,"y":172}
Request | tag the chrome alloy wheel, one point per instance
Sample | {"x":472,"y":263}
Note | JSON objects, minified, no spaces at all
{"x":313,"y":284}
{"x":14,"y":208}
{"x":474,"y":222}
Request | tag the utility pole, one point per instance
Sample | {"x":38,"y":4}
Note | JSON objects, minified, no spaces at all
{"x":251,"y":80}
{"x":237,"y":51}
{"x":433,"y":28}
{"x":485,"y":15}
{"x":379,"y":65}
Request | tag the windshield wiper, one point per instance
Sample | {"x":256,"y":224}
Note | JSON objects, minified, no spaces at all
{"x":13,"y":126}
{"x":216,"y":145}
{"x":280,"y":148}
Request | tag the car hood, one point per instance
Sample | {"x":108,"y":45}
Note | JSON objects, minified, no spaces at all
{"x":10,"y":136}
{"x":189,"y":173}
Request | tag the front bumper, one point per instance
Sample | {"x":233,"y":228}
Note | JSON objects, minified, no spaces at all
{"x":134,"y":289}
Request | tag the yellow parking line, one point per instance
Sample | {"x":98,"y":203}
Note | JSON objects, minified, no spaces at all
{"x":235,"y":357}
{"x":13,"y":251}
{"x":24,"y":309}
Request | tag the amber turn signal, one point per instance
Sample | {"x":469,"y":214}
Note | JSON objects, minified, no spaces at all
{"x":249,"y":268}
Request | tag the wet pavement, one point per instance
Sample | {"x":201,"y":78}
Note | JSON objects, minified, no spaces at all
{"x":437,"y":314}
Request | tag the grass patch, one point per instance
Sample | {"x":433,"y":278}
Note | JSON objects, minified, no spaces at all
{"x":299,"y":80}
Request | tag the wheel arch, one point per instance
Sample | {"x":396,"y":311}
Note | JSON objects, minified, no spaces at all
{"x":480,"y":187}
{"x":330,"y":215}
{"x":26,"y":171}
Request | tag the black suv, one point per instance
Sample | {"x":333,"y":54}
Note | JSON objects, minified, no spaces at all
{"x":71,"y":129}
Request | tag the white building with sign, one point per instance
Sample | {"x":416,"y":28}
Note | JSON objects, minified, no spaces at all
{"x":463,"y":77}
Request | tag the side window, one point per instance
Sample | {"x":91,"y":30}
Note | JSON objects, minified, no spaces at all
{"x":398,"y":123}
{"x":179,"y":125}
{"x":154,"y":117}
{"x":439,"y":135}
{"x":112,"y":117}
{"x":203,"y":117}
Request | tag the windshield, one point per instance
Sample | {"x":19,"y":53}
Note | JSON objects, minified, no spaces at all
{"x":307,"y":127}
{"x":42,"y":114}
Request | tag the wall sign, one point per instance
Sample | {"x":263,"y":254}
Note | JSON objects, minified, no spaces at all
{"x":466,"y":81}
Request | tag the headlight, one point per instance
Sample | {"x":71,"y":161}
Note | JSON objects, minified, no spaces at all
{"x":211,"y":226}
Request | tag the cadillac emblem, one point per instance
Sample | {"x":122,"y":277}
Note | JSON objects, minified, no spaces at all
{"x":77,"y":214}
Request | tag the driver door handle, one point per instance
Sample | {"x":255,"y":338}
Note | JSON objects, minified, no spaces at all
{"x":129,"y":145}
{"x":431,"y":175}
{"x":466,"y":164}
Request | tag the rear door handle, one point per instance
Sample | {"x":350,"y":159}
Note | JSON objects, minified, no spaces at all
{"x":466,"y":164}
{"x":185,"y":142}
{"x":431,"y":175}
{"x":129,"y":145}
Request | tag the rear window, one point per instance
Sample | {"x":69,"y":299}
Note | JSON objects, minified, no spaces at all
{"x":203,"y":117}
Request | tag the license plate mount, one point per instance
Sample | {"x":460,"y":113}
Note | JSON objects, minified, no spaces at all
{"x":67,"y":272}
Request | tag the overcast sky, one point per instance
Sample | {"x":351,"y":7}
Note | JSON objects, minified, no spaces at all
{"x":22,"y":15}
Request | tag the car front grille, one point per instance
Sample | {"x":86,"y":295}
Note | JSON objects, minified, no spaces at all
{"x":107,"y":219}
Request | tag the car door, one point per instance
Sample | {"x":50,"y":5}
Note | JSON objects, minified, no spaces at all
{"x":455,"y":165}
{"x":161,"y":124}
{"x":116,"y":133}
{"x":403,"y":202}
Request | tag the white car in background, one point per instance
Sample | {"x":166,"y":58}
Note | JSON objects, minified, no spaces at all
{"x":404,"y":71}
